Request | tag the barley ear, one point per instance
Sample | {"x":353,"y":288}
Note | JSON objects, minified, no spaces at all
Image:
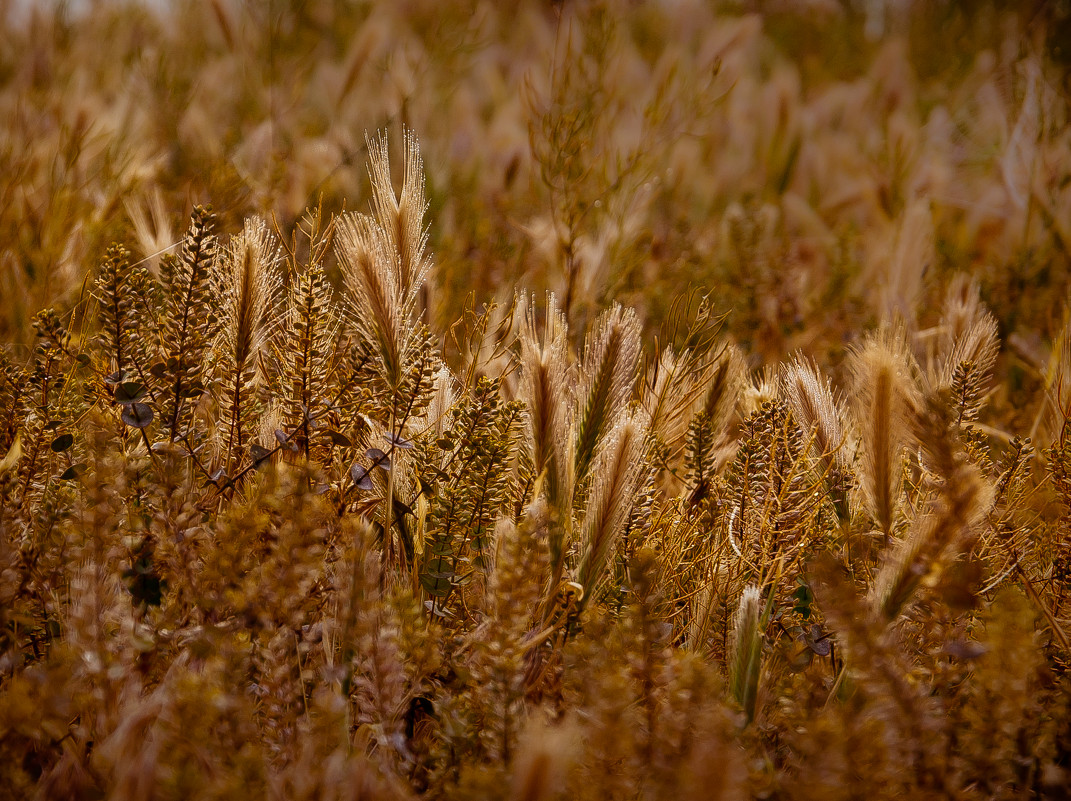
{"x":961,"y":500}
{"x":745,"y":651}
{"x":248,"y":283}
{"x":821,"y":416}
{"x":968,"y":349}
{"x":885,"y":398}
{"x":544,"y":390}
{"x":402,"y":216}
{"x":615,"y":482}
{"x":607,"y":378}
{"x":705,"y":450}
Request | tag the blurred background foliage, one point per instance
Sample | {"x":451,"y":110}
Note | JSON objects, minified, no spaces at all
{"x":816,"y":165}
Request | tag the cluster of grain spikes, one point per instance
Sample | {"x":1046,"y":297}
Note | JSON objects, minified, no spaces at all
{"x":295,"y":503}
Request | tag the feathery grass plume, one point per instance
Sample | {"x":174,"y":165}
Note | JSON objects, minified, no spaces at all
{"x":822,"y":417}
{"x":380,"y":686}
{"x":967,"y":349}
{"x":885,"y":400}
{"x":377,"y":312}
{"x":616,"y":474}
{"x":676,"y":384}
{"x":745,"y":651}
{"x":892,"y":721}
{"x":442,"y":401}
{"x":276,"y":665}
{"x":607,"y":377}
{"x":763,"y":388}
{"x":1004,"y":706}
{"x":190,"y":321}
{"x":248,"y":283}
{"x":305,"y":345}
{"x":385,"y":267}
{"x":545,"y":392}
{"x":152,"y":226}
{"x":401,"y":217}
{"x":958,"y":506}
{"x":811,"y":397}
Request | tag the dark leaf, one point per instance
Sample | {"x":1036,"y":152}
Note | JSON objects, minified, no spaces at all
{"x":158,"y":370}
{"x":398,"y":442}
{"x":62,"y":443}
{"x":360,"y":477}
{"x":444,"y":444}
{"x":129,"y":392}
{"x":818,"y":641}
{"x":83,"y":359}
{"x":285,"y":440}
{"x":259,"y":453}
{"x":138,"y":415}
{"x":437,"y":585}
{"x":114,"y":378}
{"x":74,"y":471}
{"x":339,"y":438}
{"x":379,"y":459}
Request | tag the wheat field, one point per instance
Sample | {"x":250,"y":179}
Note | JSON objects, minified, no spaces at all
{"x":587,"y":400}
